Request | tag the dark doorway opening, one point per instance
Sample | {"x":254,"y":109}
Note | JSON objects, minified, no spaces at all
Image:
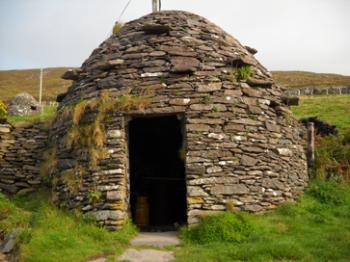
{"x":157,"y":172}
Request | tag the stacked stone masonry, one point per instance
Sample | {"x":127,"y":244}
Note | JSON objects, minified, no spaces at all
{"x":310,"y":91}
{"x":242,"y":145}
{"x":21,"y":150}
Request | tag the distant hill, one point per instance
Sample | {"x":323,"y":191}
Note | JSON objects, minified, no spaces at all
{"x":302,"y":78}
{"x":13,"y":82}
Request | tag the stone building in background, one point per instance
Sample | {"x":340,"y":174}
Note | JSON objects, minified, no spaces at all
{"x":177,"y":113}
{"x":23,"y":104}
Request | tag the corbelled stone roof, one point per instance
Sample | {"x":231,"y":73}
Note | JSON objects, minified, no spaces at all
{"x":167,"y":44}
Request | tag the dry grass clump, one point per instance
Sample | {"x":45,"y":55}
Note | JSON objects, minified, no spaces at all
{"x":48,"y":164}
{"x":79,"y":111}
{"x":72,"y":178}
{"x":130,"y":102}
{"x":117,"y":28}
{"x":90,"y":137}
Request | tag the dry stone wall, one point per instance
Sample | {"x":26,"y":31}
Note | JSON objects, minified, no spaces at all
{"x":244,"y":149}
{"x":21,"y":150}
{"x":310,"y":91}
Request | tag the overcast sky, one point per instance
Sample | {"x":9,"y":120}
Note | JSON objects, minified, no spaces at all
{"x":311,"y":35}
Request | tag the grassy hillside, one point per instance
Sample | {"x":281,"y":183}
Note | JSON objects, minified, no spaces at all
{"x":302,"y":78}
{"x":16,"y":81}
{"x":333,"y":109}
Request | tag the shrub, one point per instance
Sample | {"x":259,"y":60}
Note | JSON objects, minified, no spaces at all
{"x":3,"y":110}
{"x":225,"y":227}
{"x":329,"y":192}
{"x":244,"y":72}
{"x":332,"y":158}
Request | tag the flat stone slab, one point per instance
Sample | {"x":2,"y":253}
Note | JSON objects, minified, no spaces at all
{"x":156,"y":239}
{"x":100,"y":259}
{"x":146,"y":255}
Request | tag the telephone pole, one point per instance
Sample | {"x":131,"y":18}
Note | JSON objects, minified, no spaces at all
{"x":155,"y":5}
{"x":41,"y":89}
{"x":41,"y":85}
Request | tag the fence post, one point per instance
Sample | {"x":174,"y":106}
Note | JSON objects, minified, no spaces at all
{"x":311,"y":144}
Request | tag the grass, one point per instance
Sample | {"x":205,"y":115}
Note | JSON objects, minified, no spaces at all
{"x":303,"y":79}
{"x":13,"y":82}
{"x":334,"y":109}
{"x":315,"y":229}
{"x":56,"y":235}
{"x":47,"y":114}
{"x":12,"y":216}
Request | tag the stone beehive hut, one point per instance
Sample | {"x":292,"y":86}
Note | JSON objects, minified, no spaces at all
{"x":174,"y":110}
{"x":23,"y":104}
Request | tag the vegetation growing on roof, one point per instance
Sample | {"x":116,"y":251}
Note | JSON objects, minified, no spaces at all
{"x":90,"y":136}
{"x":243,"y":72}
{"x":117,"y":28}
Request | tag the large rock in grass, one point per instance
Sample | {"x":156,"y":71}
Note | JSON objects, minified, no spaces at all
{"x":23,"y":104}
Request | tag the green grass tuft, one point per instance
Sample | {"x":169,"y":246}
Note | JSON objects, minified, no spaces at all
{"x":243,"y":72}
{"x":226,"y":227}
{"x":330,"y":193}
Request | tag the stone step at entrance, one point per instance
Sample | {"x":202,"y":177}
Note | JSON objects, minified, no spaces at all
{"x":149,"y":240}
{"x":156,"y":239}
{"x":147,"y":255}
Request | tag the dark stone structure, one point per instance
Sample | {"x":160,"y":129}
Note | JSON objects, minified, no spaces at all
{"x":175,"y":110}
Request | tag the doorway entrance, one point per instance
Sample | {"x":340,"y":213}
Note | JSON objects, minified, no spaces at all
{"x":157,"y":172}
